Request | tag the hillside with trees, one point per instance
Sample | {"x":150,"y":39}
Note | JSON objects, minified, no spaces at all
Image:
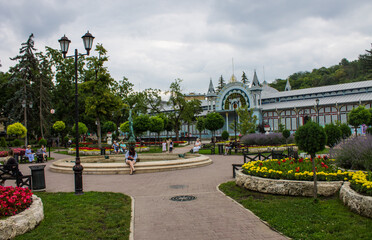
{"x":344,"y":72}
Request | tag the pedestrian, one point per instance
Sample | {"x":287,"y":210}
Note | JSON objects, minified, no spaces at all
{"x":170,"y":145}
{"x":164,"y":146}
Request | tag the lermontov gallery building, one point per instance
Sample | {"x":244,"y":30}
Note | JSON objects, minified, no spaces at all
{"x":291,"y":108}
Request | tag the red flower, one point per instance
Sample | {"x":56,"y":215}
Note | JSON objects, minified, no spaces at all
{"x":301,"y":160}
{"x":279,"y":162}
{"x":297,"y":169}
{"x":260,"y":164}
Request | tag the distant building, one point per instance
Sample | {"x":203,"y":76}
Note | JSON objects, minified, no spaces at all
{"x":292,"y":108}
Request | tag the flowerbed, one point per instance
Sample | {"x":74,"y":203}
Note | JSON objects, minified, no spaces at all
{"x":296,"y":169}
{"x":19,"y":151}
{"x":362,"y":182}
{"x":14,"y":200}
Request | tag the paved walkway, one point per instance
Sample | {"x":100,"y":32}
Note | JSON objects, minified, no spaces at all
{"x":211,"y":216}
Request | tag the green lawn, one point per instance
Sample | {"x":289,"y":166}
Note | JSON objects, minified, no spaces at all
{"x":300,"y":217}
{"x":93,"y":215}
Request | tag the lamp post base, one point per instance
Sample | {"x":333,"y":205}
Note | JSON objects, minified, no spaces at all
{"x":78,"y":173}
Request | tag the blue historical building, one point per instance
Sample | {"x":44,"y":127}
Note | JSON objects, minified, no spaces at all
{"x":291,"y":108}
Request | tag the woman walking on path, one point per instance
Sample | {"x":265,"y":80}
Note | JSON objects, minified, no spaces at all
{"x":130,"y":159}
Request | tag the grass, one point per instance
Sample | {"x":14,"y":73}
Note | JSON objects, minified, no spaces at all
{"x":300,"y":217}
{"x":93,"y":215}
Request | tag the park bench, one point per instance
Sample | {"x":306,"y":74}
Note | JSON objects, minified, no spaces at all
{"x":12,"y":173}
{"x":209,"y":146}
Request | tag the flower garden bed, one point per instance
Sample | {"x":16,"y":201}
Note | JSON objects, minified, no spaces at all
{"x":295,"y":177}
{"x":20,"y":211}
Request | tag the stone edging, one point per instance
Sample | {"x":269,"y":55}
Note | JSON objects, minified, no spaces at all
{"x":24,"y":221}
{"x":356,"y":202}
{"x":286,"y":187}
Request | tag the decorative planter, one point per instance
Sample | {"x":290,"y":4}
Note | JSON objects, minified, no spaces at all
{"x":22,"y":222}
{"x":286,"y":187}
{"x":356,"y":202}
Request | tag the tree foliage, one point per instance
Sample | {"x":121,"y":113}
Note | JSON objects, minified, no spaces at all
{"x":124,"y":127}
{"x":200,"y":125}
{"x":244,"y":78}
{"x":358,"y":116}
{"x":59,"y":126}
{"x":221,"y":84}
{"x":247,"y":121}
{"x":16,"y":129}
{"x":334,"y":134}
{"x":82,"y":128}
{"x":109,"y":126}
{"x":311,"y":138}
{"x":214,"y":121}
{"x":141,"y":124}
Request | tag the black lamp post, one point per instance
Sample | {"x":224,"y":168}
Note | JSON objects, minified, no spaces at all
{"x":317,"y":110}
{"x":88,"y":42}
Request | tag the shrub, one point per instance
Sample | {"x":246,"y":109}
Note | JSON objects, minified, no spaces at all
{"x":334,"y":134}
{"x":225,"y":135}
{"x":3,"y":142}
{"x":271,"y":139}
{"x":16,"y":143}
{"x":42,"y":142}
{"x":369,"y":131}
{"x":354,"y":154}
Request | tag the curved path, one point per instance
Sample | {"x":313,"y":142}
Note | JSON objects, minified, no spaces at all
{"x":211,"y":216}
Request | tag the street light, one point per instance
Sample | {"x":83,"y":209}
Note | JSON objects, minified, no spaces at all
{"x":317,"y":110}
{"x":88,"y":42}
{"x":24,"y":105}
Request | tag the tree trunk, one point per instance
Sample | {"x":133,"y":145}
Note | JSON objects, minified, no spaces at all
{"x":99,"y":132}
{"x":40,"y":110}
{"x":315,"y":195}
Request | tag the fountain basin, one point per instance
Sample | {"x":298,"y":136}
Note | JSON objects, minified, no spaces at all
{"x":147,"y":163}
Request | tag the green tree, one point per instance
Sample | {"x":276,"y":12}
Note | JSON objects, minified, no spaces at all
{"x":141,"y":124}
{"x":109,"y":126}
{"x":177,"y":103}
{"x":191,"y":110}
{"x":16,"y":129}
{"x":247,"y":121}
{"x":334,"y":134}
{"x":311,"y":138}
{"x":124,"y":127}
{"x":358,"y":116}
{"x":244,"y":78}
{"x":43,"y":87}
{"x":200,"y":125}
{"x":59,"y":126}
{"x":213,"y":122}
{"x":221,"y":84}
{"x":82,"y":129}
{"x":286,"y":134}
{"x":100,"y":100}
{"x":153,"y":100}
{"x":156,"y":125}
{"x":225,"y":135}
{"x":23,"y":76}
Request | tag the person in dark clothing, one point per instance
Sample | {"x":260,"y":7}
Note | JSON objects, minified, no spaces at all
{"x":12,"y":165}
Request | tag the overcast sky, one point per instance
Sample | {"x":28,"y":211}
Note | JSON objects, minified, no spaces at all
{"x":153,"y":42}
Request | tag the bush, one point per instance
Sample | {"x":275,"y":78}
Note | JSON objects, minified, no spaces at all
{"x":3,"y":142}
{"x":16,"y":143}
{"x":334,"y":134}
{"x":42,"y":142}
{"x":225,"y":135}
{"x":354,"y":154}
{"x":271,"y":139}
{"x":369,"y":131}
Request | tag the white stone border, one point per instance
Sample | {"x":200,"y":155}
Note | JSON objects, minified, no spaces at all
{"x":24,"y":221}
{"x":286,"y":187}
{"x":356,"y":202}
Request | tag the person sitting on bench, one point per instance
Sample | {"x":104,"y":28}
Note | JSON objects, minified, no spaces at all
{"x":12,"y":165}
{"x":29,"y":154}
{"x":197,"y":146}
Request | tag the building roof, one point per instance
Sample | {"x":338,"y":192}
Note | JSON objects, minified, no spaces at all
{"x":323,"y":89}
{"x":352,"y":98}
{"x":255,"y":82}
